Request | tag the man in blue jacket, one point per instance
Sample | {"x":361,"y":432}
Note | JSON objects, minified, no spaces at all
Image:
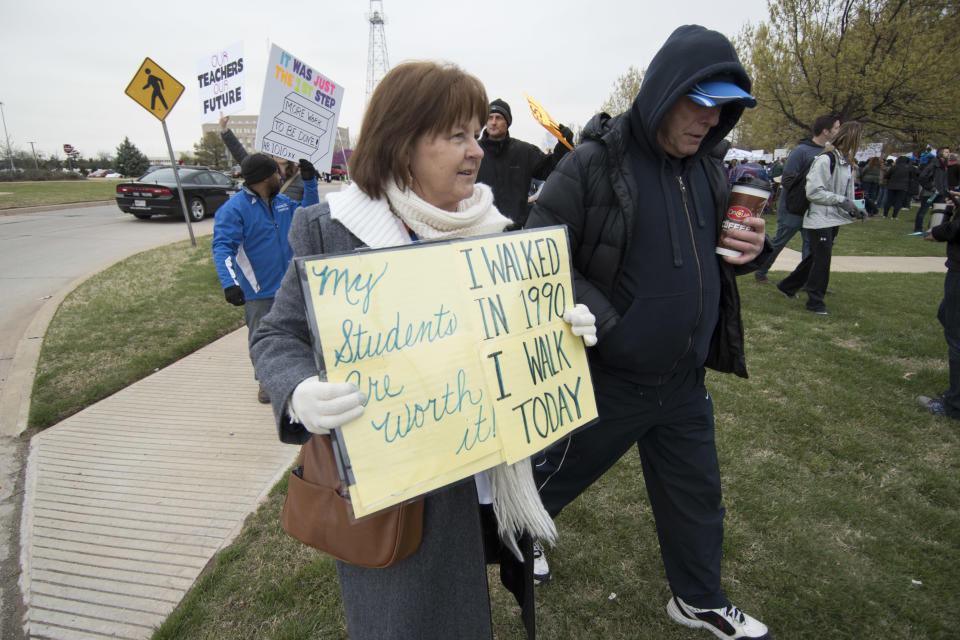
{"x":250,"y":246}
{"x":643,"y":199}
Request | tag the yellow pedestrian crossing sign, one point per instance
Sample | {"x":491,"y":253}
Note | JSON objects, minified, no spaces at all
{"x":154,"y":89}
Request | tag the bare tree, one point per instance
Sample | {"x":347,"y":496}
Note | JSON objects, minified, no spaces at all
{"x":625,"y":89}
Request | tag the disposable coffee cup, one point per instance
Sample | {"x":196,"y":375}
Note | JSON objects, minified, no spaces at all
{"x":746,"y":201}
{"x":936,"y":218}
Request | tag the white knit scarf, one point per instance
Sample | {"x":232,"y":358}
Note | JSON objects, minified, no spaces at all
{"x":516,"y":501}
{"x":474,"y":216}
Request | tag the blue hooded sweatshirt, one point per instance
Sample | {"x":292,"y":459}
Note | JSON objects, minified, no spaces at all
{"x":657,"y":295}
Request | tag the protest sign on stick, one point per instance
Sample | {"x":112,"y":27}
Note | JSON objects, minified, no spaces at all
{"x":464,"y":366}
{"x":540,"y":115}
{"x":299,"y":111}
{"x":220,"y":80}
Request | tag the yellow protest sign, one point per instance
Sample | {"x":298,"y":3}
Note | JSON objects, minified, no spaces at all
{"x":462,"y":351}
{"x":540,"y":115}
{"x":154,"y":89}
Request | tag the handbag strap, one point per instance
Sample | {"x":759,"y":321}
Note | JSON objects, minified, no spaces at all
{"x":319,"y":464}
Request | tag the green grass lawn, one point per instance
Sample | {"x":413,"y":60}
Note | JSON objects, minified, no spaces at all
{"x":113,"y":329}
{"x":876,"y":236}
{"x":842,"y":494}
{"x":30,"y":194}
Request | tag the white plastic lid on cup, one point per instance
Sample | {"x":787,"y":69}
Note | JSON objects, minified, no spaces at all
{"x":751,"y":190}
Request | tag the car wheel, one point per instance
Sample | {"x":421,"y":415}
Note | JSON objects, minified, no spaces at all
{"x":197,"y":210}
{"x":142,"y":216}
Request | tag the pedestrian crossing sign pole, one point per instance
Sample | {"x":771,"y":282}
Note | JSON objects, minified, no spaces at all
{"x":157,"y":91}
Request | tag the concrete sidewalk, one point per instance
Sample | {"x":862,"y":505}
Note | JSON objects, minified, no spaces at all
{"x":127,"y":501}
{"x":789,"y":259}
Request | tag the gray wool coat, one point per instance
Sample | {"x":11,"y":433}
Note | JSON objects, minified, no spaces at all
{"x":441,"y":590}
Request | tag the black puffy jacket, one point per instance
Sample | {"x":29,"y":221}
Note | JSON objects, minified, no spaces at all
{"x":900,"y":175}
{"x":618,"y":179}
{"x":507,"y":167}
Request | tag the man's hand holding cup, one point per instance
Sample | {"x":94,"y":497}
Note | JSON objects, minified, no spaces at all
{"x":748,"y":241}
{"x":743,"y":232}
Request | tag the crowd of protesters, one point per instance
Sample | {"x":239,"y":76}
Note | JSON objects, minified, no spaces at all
{"x":643,"y":198}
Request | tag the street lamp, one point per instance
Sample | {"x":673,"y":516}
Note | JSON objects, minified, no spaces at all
{"x":9,"y":155}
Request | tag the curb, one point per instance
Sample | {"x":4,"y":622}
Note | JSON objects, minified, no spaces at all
{"x":18,"y":388}
{"x":55,"y":207}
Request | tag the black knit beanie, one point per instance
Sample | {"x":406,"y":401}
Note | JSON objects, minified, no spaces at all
{"x":257,"y":167}
{"x":501,"y":107}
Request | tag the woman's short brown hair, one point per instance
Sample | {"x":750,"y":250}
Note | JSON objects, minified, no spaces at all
{"x":412,"y":100}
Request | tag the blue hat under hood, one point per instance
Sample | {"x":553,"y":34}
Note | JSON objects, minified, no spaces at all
{"x":690,"y":55}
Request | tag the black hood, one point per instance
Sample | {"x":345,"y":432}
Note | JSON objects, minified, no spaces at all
{"x":691,"y":54}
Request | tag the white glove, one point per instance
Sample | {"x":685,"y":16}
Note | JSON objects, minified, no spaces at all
{"x":582,"y":323}
{"x":322,"y":406}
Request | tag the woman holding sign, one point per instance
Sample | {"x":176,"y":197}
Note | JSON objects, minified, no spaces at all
{"x":414,"y":171}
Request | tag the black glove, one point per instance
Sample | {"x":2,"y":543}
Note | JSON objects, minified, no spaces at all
{"x":234,"y":295}
{"x":307,"y":172}
{"x":852,"y":209}
{"x":568,"y":134}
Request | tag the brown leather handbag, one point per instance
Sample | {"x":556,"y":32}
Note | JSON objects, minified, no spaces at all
{"x":317,"y":512}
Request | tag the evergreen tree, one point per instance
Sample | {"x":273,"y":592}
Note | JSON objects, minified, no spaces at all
{"x":211,"y":151}
{"x":129,"y":161}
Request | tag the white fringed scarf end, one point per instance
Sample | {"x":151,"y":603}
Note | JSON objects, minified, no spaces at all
{"x":516,"y":502}
{"x":517,"y":505}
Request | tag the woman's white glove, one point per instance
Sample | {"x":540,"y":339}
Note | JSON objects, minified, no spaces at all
{"x":582,"y":323}
{"x":322,"y":406}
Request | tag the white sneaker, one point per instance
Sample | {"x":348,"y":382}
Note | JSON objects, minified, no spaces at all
{"x":727,"y":622}
{"x":541,"y":570}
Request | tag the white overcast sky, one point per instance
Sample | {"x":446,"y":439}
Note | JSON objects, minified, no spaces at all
{"x":65,"y":65}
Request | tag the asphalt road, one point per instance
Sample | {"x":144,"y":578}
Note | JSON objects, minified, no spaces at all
{"x":41,"y":254}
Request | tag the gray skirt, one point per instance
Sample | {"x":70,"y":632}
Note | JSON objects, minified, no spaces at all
{"x":438,"y":592}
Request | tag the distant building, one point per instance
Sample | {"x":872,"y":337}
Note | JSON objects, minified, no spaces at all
{"x":245,"y":128}
{"x":164,"y":160}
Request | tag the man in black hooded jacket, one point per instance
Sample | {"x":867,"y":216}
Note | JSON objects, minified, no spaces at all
{"x":643,"y":199}
{"x":509,"y":164}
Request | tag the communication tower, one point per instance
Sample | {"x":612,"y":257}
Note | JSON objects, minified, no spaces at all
{"x":377,"y":63}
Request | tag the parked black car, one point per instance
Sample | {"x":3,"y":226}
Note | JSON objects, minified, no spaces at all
{"x":155,"y":193}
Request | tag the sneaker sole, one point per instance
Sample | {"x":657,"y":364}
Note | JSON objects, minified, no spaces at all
{"x":674,"y":612}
